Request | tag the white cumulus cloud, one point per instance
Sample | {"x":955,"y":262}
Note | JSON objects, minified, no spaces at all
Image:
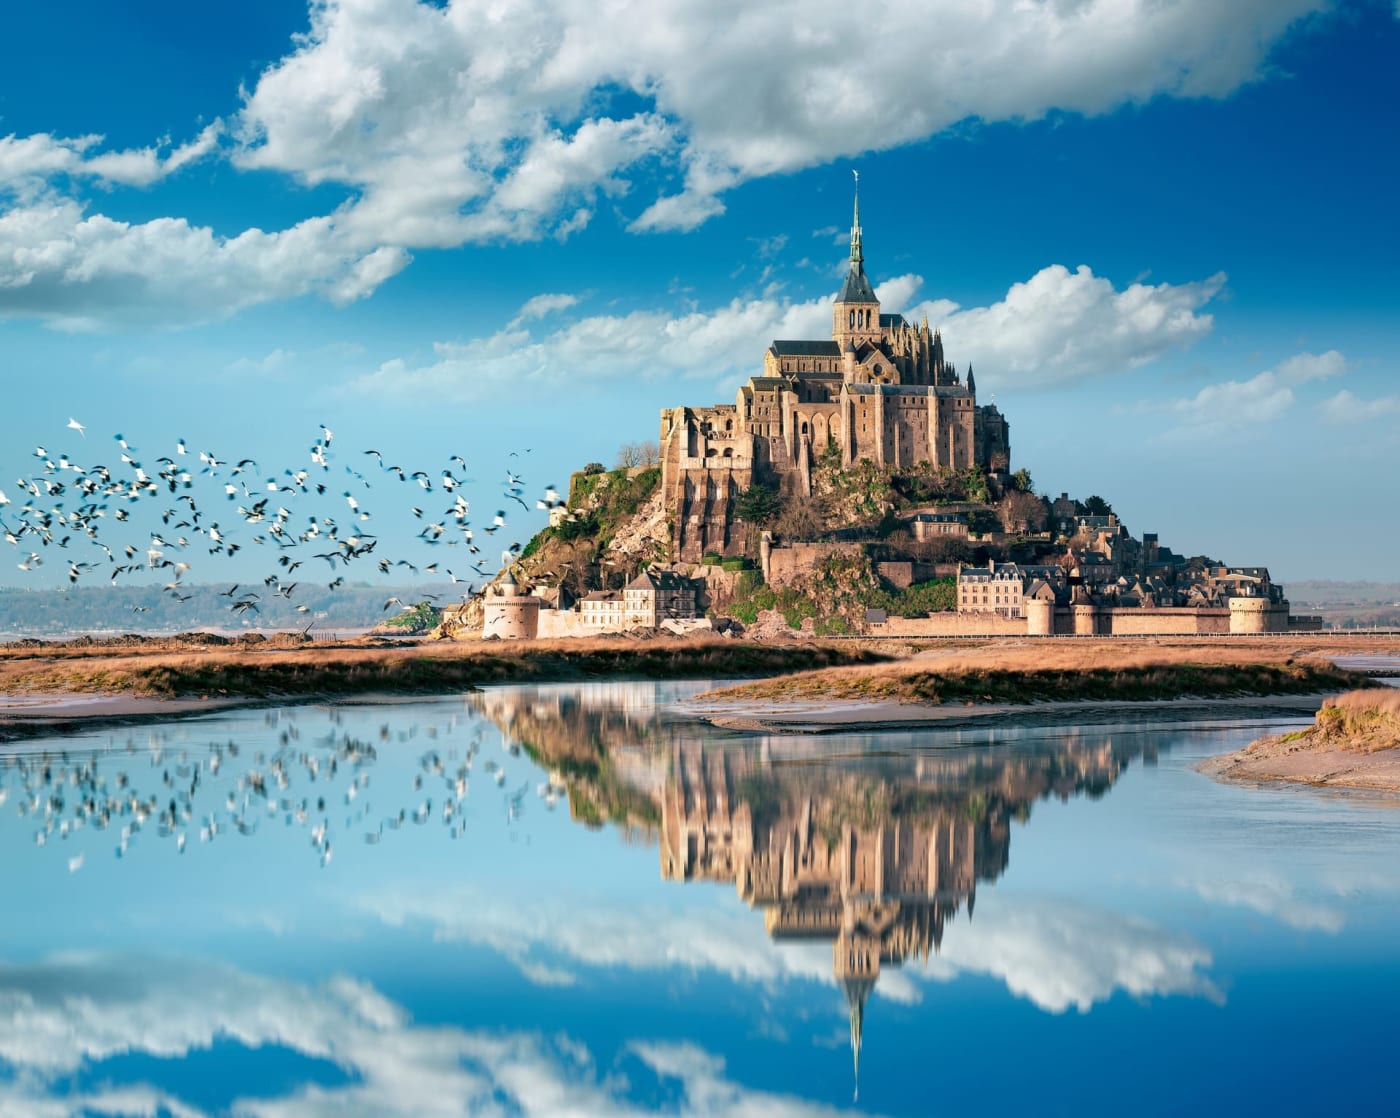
{"x":454,"y":121}
{"x":1346,"y":407}
{"x":83,"y":271}
{"x":1261,"y":399}
{"x":1056,"y":326}
{"x":506,"y":109}
{"x":1061,"y":324}
{"x":28,"y":162}
{"x":538,"y":306}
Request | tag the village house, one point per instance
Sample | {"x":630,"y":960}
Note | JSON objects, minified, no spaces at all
{"x":655,"y":596}
{"x":937,"y":525}
{"x":602,"y":610}
{"x":1002,"y":588}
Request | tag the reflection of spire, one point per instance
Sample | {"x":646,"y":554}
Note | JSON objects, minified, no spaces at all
{"x":857,"y":991}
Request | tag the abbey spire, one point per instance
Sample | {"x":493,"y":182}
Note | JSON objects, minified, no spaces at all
{"x":856,"y":314}
{"x":857,"y":249}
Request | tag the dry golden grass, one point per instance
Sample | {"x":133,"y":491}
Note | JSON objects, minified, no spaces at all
{"x":1366,"y":721}
{"x":257,"y":672}
{"x":1380,"y":702}
{"x":1360,"y":721}
{"x":1034,"y":672}
{"x":196,"y":665}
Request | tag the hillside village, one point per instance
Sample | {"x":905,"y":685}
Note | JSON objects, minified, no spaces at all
{"x":855,"y":486}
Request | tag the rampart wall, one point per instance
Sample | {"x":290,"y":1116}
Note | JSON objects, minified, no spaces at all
{"x":951,"y":624}
{"x":1092,"y":621}
{"x":784,"y":565}
{"x":554,"y":623}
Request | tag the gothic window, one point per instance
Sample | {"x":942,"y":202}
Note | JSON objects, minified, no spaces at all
{"x":851,"y":320}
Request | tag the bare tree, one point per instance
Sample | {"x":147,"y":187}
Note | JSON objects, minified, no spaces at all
{"x":632,"y":455}
{"x":801,"y":519}
{"x":1021,"y":510}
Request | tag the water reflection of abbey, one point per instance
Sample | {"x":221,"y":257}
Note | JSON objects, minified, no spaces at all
{"x":874,"y":852}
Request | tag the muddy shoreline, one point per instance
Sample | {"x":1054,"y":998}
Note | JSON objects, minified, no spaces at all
{"x":845,"y":716}
{"x":1338,"y":768}
{"x":1354,"y":742}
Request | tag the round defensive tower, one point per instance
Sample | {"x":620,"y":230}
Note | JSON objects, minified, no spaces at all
{"x":511,"y":615}
{"x":1040,"y":618}
{"x":1086,"y":620}
{"x":1257,"y":615}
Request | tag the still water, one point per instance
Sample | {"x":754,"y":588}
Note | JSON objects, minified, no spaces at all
{"x":565,"y":900}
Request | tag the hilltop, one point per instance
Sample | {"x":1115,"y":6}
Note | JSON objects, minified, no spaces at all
{"x":868,"y":538}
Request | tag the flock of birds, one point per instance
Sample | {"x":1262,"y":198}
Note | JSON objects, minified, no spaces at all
{"x":221,"y":507}
{"x":322,"y":788}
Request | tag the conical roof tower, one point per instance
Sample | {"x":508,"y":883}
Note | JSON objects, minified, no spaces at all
{"x":856,"y":316}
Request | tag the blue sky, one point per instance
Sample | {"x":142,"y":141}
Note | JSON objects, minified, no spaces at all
{"x":1163,"y":234}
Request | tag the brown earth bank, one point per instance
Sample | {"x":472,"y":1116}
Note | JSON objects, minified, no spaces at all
{"x":1027,"y":674}
{"x":1354,"y":742}
{"x":1071,"y":681}
{"x":48,"y":685}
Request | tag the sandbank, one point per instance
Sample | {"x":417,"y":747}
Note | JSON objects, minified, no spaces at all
{"x":1353,"y":743}
{"x":844,"y":716}
{"x":1284,"y":763}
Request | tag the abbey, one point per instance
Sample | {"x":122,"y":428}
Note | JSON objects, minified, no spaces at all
{"x":879,"y":390}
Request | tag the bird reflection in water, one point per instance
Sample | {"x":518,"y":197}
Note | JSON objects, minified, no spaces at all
{"x":163,"y":788}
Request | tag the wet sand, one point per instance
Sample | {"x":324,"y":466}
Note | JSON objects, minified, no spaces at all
{"x":1300,"y":762}
{"x":30,"y":715}
{"x":840,"y":716}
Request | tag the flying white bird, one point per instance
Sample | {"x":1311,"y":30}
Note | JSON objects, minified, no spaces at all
{"x":74,"y":425}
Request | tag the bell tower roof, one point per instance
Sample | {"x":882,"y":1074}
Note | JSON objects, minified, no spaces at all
{"x":856,"y":287}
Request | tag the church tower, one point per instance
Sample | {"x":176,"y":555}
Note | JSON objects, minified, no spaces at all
{"x":856,"y":315}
